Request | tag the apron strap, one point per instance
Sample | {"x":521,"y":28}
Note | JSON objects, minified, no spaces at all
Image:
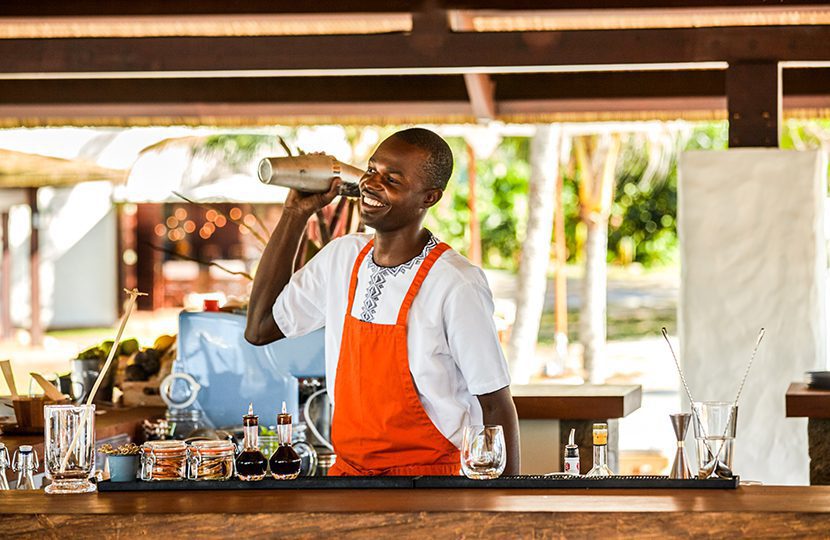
{"x":436,"y":252}
{"x":355,"y":269}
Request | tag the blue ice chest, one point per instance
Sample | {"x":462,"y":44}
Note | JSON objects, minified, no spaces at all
{"x":233,"y":373}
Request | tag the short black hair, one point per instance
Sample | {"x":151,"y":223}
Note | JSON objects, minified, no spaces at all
{"x":438,"y":167}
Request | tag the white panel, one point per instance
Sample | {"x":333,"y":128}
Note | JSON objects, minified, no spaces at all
{"x":78,"y":270}
{"x":751,"y":225}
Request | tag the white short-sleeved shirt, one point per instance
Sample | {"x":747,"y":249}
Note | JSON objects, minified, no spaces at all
{"x":453,"y":347}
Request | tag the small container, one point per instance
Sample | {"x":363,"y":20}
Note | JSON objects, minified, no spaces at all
{"x":285,"y":463}
{"x":572,"y":455}
{"x":600,"y":436}
{"x":5,"y":462}
{"x":25,"y":464}
{"x":122,"y":468}
{"x":163,"y":460}
{"x":211,"y":460}
{"x":251,"y":463}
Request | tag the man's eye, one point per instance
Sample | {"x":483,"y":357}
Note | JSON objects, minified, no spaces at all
{"x":391,"y":180}
{"x":370,"y":170}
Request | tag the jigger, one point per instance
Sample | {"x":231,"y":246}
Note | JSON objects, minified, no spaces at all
{"x":680,"y":468}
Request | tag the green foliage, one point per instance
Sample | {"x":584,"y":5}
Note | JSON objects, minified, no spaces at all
{"x":501,"y":195}
{"x":642,"y":224}
{"x":236,"y":148}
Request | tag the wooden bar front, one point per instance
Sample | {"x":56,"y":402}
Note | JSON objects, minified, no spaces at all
{"x":753,"y":511}
{"x":815,"y":405}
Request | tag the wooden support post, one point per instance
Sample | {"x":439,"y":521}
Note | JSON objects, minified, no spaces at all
{"x":36,"y":328}
{"x":475,"y":225}
{"x":148,"y":269}
{"x":5,"y":281}
{"x":753,"y":94}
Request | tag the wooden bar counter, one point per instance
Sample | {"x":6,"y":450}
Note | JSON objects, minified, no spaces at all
{"x":751,"y":511}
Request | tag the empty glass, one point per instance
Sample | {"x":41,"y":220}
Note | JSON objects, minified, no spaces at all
{"x":715,"y":427}
{"x":62,"y":422}
{"x":483,"y":453}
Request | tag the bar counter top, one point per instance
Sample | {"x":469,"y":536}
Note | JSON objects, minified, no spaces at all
{"x":751,"y":511}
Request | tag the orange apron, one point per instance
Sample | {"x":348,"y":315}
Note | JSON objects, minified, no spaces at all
{"x":379,"y":425}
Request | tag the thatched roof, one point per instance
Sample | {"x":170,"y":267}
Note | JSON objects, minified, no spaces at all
{"x":21,"y":170}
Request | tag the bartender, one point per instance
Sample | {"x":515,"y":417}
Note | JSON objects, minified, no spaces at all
{"x":412,"y":353}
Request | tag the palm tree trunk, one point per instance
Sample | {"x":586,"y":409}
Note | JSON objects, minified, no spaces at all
{"x":533,"y":262}
{"x":597,"y":164}
{"x":592,"y":317}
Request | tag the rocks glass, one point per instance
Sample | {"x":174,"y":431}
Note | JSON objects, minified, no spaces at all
{"x":483,"y":452}
{"x":62,"y":423}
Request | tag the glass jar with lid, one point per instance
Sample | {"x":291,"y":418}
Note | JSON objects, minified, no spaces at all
{"x":163,"y":460}
{"x":211,"y":460}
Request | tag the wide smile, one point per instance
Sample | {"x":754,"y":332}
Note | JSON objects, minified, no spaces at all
{"x":368,"y":203}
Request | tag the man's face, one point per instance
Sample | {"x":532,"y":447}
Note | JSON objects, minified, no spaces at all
{"x":393,"y":191}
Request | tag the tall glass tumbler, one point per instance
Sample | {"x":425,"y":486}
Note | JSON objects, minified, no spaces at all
{"x":483,"y":452}
{"x":715,"y":428}
{"x":62,"y":423}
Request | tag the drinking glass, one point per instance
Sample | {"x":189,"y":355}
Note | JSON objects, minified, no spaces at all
{"x":483,"y":454}
{"x":715,"y":427}
{"x":62,"y":422}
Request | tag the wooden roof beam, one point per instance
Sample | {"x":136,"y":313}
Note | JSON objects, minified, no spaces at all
{"x":401,"y":54}
{"x":482,"y":92}
{"x":93,"y":8}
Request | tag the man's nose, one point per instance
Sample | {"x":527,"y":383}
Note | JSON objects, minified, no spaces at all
{"x":369,"y":179}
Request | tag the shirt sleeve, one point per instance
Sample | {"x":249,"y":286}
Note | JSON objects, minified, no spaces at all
{"x":301,"y":306}
{"x":472,"y":336}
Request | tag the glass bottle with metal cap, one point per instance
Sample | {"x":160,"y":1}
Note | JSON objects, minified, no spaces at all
{"x":4,"y":464}
{"x":251,"y":464}
{"x":285,"y":463}
{"x":25,"y":464}
{"x":600,"y":467}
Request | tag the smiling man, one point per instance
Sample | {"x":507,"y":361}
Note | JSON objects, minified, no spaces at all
{"x":412,"y":354}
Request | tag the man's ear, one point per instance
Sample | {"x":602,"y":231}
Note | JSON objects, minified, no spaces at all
{"x":432,"y":196}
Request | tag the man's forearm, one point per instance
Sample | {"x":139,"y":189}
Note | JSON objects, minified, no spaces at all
{"x":272,"y":275}
{"x":498,"y":408}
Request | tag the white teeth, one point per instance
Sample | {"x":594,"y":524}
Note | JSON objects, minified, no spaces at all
{"x":372,"y":202}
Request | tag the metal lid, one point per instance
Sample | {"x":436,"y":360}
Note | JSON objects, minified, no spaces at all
{"x":212,"y":447}
{"x":165,"y":447}
{"x":25,"y":449}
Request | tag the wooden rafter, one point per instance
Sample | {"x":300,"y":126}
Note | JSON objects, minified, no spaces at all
{"x":405,"y":53}
{"x":67,"y":8}
{"x":482,"y":93}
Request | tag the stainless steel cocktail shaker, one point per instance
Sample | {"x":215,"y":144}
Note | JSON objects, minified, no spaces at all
{"x":312,"y":173}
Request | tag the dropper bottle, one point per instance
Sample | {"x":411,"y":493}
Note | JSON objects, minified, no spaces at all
{"x":251,"y":465}
{"x":285,"y":462}
{"x":572,"y":455}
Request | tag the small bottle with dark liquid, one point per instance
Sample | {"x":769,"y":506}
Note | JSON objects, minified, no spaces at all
{"x":285,"y":462}
{"x":251,"y":465}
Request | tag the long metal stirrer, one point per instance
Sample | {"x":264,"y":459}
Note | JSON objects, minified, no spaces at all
{"x":134,"y":293}
{"x":676,"y":363}
{"x":686,"y":387}
{"x":740,"y":389}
